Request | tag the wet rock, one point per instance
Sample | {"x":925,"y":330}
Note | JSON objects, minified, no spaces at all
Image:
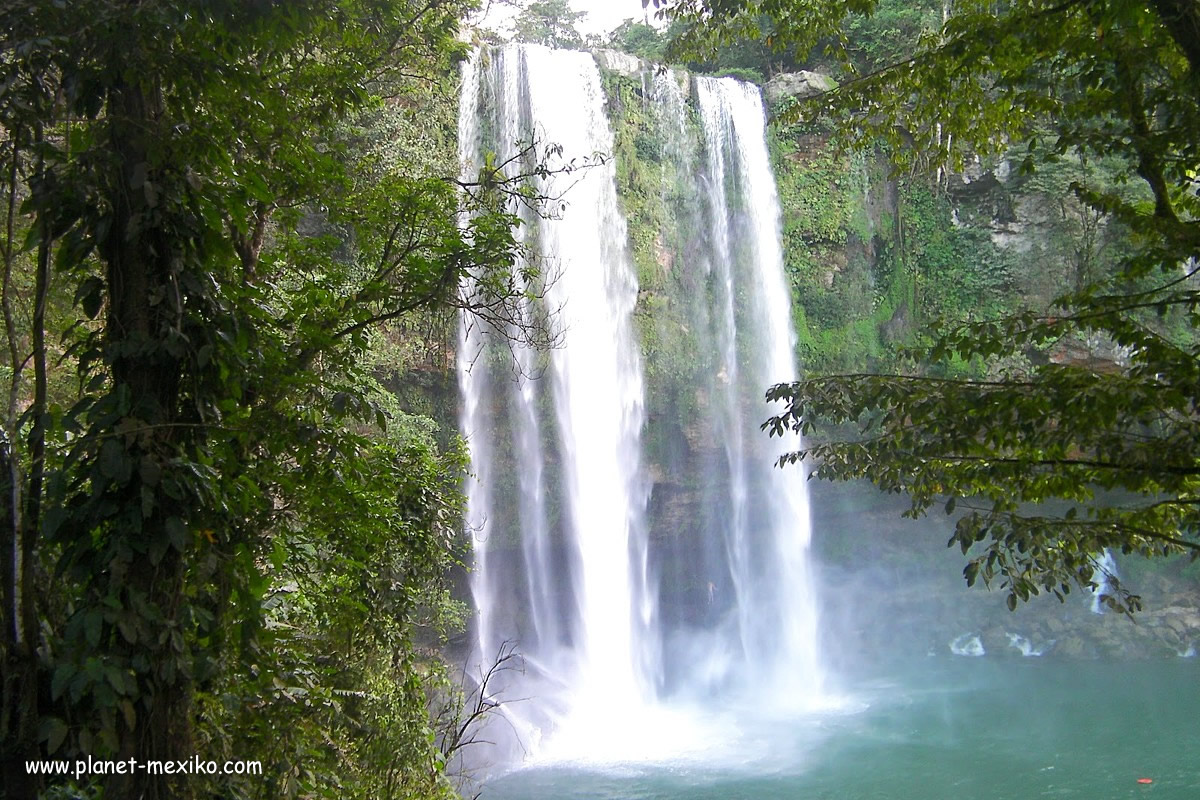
{"x":995,"y":641}
{"x":629,"y":66}
{"x":799,"y":85}
{"x":1170,"y":638}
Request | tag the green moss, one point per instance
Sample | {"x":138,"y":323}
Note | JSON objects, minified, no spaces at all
{"x":656,"y":203}
{"x":839,"y":306}
{"x":639,"y":169}
{"x":959,"y":273}
{"x":817,"y":195}
{"x":867,"y":276}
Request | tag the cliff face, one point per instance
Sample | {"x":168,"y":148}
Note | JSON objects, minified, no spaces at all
{"x":872,"y":258}
{"x":875,"y":257}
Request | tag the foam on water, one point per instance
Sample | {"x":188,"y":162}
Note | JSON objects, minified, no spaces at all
{"x":968,"y":644}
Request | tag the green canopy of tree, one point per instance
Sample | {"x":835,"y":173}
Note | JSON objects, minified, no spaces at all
{"x":549,"y":22}
{"x":1055,"y":460}
{"x":640,"y":39}
{"x":219,"y":533}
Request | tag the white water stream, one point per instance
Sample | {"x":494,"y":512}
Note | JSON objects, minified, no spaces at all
{"x":565,"y":568}
{"x":769,"y":549}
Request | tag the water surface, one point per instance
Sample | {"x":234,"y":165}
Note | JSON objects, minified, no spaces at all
{"x":937,"y":729}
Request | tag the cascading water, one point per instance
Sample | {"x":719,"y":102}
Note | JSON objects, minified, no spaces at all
{"x":588,"y":638}
{"x":770,"y":570}
{"x":1104,"y":575}
{"x":597,"y":382}
{"x":618,"y":610}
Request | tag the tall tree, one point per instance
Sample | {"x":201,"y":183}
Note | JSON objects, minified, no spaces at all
{"x":182,"y":170}
{"x":549,"y":22}
{"x":1092,"y":78}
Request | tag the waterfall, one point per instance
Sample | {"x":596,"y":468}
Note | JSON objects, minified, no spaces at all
{"x":968,"y":644}
{"x":619,"y":609}
{"x":572,"y":593}
{"x":597,"y":378}
{"x":770,"y":570}
{"x":1104,"y":575}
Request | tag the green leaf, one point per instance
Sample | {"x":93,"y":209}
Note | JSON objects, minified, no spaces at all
{"x":90,"y":296}
{"x":53,"y":731}
{"x":128,"y":629}
{"x":114,"y":462}
{"x":63,"y":674}
{"x":93,"y":626}
{"x":176,"y":533}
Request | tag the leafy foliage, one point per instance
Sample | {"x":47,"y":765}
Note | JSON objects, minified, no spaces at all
{"x":244,"y":534}
{"x":549,"y":22}
{"x":890,"y":33}
{"x":640,"y":39}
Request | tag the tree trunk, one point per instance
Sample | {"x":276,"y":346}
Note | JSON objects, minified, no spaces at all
{"x":139,"y":276}
{"x":20,"y":510}
{"x":1182,"y":19}
{"x":18,"y":658}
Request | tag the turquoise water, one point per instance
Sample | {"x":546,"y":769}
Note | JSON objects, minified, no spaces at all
{"x":934,"y":730}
